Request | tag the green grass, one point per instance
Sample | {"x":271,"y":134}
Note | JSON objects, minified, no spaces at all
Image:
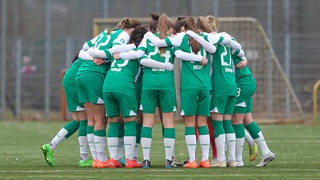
{"x":297,"y":150}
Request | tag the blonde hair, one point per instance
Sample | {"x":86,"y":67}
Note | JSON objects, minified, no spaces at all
{"x":204,"y":25}
{"x":213,"y":22}
{"x":191,"y":25}
{"x":164,"y":24}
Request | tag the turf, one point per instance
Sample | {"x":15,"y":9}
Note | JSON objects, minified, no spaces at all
{"x":296,"y":148}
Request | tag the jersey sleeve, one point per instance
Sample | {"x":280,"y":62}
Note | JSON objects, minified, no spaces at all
{"x":123,"y":38}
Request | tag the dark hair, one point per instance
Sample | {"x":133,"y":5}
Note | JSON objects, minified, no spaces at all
{"x":191,"y":25}
{"x":180,"y":22}
{"x":138,"y":34}
{"x":153,"y":25}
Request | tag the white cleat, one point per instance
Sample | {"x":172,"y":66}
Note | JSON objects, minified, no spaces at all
{"x":265,"y":160}
{"x":217,"y":163}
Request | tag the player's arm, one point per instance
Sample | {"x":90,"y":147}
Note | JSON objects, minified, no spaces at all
{"x":168,"y":41}
{"x":90,"y":43}
{"x":135,"y":53}
{"x":147,"y":62}
{"x":205,"y":44}
{"x":94,"y":52}
{"x":184,"y":56}
{"x":228,"y":40}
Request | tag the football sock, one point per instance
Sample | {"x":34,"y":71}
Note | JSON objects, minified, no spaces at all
{"x":100,"y":141}
{"x":220,"y":139}
{"x":204,"y":140}
{"x":83,"y":141}
{"x":113,"y":139}
{"x":138,"y":140}
{"x":191,"y":142}
{"x":91,"y":144}
{"x":257,"y":135}
{"x":230,"y":139}
{"x":120,"y":153}
{"x":248,"y":138}
{"x":69,"y":129}
{"x":146,"y":141}
{"x":130,"y":138}
{"x":239,"y":130}
{"x":169,"y":140}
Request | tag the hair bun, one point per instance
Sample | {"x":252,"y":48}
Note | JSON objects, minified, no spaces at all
{"x":154,"y":16}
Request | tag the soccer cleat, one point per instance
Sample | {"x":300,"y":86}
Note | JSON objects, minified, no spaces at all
{"x":190,"y":164}
{"x":239,"y":163}
{"x":253,"y":151}
{"x":217,"y":163}
{"x":232,"y":163}
{"x":132,"y":164}
{"x":114,"y":163}
{"x":146,"y":164}
{"x":170,"y":164}
{"x":122,"y":161}
{"x":86,"y":163}
{"x":204,"y":164}
{"x":265,"y":160}
{"x":94,"y":163}
{"x":48,"y":154}
{"x":104,"y":164}
{"x":174,"y":161}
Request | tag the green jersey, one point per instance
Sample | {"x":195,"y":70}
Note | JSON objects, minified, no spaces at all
{"x":122,"y":76}
{"x":223,"y":77}
{"x":240,"y":72}
{"x":157,"y":78}
{"x":193,"y":74}
{"x":103,"y":41}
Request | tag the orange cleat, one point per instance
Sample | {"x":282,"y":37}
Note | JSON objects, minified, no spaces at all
{"x":204,"y":164}
{"x":104,"y":164}
{"x":133,"y":164}
{"x":94,"y":163}
{"x":190,"y":164}
{"x":114,"y":163}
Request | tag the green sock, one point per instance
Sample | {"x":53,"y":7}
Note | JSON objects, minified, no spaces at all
{"x":217,"y":128}
{"x":253,"y":129}
{"x":71,"y":127}
{"x":146,"y":132}
{"x":227,"y":125}
{"x":113,"y":130}
{"x":131,"y":128}
{"x":169,"y":133}
{"x":83,"y":128}
{"x":239,"y":130}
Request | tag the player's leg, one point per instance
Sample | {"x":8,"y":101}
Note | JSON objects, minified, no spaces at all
{"x":256,"y":133}
{"x":238,"y":127}
{"x":204,"y":140}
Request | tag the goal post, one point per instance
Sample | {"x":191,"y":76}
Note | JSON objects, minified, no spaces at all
{"x":275,"y":100}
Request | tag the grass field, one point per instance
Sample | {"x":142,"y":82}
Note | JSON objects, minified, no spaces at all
{"x":297,"y":150}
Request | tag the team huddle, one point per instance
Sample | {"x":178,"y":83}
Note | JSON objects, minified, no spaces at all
{"x":122,"y":76}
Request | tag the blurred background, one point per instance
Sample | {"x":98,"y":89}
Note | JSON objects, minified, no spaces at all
{"x":40,"y":37}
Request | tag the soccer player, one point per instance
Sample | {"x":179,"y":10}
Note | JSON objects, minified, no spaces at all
{"x":223,"y":96}
{"x":242,"y":112}
{"x":78,"y":115}
{"x":91,"y":93}
{"x":195,"y":90}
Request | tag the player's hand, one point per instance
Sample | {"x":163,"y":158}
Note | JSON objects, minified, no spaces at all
{"x":169,"y":66}
{"x":204,"y":61}
{"x":98,"y":61}
{"x":242,"y":64}
{"x":116,"y":56}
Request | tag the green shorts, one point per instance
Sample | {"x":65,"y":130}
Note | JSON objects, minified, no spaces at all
{"x":118,"y":103}
{"x":246,"y":89}
{"x":70,"y":89}
{"x":195,"y":102}
{"x":222,"y":104}
{"x":90,"y":88}
{"x":150,"y":99}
